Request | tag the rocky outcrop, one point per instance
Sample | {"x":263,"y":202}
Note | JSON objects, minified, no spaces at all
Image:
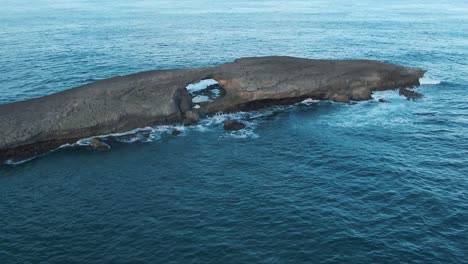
{"x":123,"y":103}
{"x":98,"y":145}
{"x":233,"y":125}
{"x":190,"y":118}
{"x":410,"y":95}
{"x":176,"y":132}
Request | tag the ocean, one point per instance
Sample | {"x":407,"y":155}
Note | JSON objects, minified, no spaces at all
{"x":315,"y":182}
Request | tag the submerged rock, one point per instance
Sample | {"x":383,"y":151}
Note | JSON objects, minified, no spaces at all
{"x":410,"y":95}
{"x":150,"y":98}
{"x":233,"y":125}
{"x":383,"y":101}
{"x":176,"y":132}
{"x":98,"y":145}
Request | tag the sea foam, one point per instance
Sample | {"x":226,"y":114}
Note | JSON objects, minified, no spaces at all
{"x":428,"y":81}
{"x":203,"y":84}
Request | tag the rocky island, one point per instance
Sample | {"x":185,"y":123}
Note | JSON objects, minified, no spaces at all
{"x":123,"y":103}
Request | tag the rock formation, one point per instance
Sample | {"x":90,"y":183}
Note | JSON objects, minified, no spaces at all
{"x":233,"y":125}
{"x":123,"y":103}
{"x":176,"y":132}
{"x":98,"y":145}
{"x":410,"y":95}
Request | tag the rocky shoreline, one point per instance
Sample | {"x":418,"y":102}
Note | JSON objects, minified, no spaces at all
{"x":123,"y":103}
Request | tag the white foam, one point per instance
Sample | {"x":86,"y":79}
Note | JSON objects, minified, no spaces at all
{"x":426,"y":80}
{"x":67,"y":145}
{"x":18,"y":162}
{"x":309,"y":101}
{"x":250,"y":119}
{"x":203,"y":84}
{"x":216,"y":92}
{"x":371,"y":114}
{"x":243,"y":133}
{"x":131,"y":132}
{"x":200,"y":99}
{"x":153,"y":134}
{"x":135,"y":135}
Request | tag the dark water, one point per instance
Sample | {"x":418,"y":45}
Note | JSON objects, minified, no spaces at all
{"x":315,"y":182}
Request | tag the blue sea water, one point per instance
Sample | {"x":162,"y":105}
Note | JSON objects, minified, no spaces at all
{"x":317,"y":182}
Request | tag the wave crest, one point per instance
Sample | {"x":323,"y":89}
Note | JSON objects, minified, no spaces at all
{"x":428,"y":81}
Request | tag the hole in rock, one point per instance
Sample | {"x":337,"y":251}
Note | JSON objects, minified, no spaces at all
{"x":204,"y":91}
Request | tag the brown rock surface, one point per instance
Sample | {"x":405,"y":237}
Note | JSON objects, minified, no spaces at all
{"x":98,"y":145}
{"x":410,"y":95}
{"x":123,"y":103}
{"x":233,"y":125}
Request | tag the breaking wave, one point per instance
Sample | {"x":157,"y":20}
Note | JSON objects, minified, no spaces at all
{"x":426,"y":80}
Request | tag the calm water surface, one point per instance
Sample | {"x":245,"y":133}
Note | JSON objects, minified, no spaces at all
{"x":315,"y":182}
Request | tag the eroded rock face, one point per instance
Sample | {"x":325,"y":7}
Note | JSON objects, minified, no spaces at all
{"x":123,"y":103}
{"x":191,"y":117}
